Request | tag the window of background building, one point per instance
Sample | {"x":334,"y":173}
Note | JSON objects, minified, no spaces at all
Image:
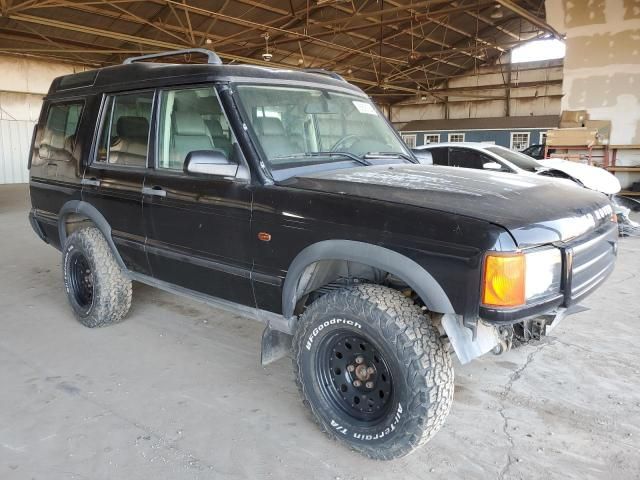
{"x":543,"y":138}
{"x":410,"y":140}
{"x":519,"y":140}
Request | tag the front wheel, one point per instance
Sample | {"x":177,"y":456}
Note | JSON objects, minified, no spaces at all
{"x":373,"y":370}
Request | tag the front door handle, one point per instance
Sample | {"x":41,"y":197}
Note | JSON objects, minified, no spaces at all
{"x":90,"y":181}
{"x":157,"y":191}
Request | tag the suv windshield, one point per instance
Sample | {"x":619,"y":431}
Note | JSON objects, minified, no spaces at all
{"x":302,"y":127}
{"x":520,"y":160}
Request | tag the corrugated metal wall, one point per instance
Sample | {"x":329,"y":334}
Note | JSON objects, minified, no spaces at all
{"x":23,"y":83}
{"x":15,"y":139}
{"x":524,"y":101}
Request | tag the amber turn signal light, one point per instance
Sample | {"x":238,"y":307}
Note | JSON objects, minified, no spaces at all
{"x":504,"y":277}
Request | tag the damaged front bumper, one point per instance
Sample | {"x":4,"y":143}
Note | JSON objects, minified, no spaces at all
{"x":498,"y":338}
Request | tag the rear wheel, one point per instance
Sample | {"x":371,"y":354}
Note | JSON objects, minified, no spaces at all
{"x":98,"y":290}
{"x":373,"y":370}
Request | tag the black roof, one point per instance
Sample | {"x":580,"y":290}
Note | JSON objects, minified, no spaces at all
{"x":141,"y":74}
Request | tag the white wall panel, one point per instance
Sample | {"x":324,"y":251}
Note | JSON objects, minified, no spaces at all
{"x":28,"y":75}
{"x":15,"y":139}
{"x":22,"y":84}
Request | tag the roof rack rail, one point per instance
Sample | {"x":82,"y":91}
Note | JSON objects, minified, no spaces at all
{"x":322,"y":71}
{"x":212,"y":57}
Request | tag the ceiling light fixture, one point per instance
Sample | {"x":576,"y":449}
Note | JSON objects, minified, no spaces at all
{"x":497,"y":13}
{"x":266,"y":56}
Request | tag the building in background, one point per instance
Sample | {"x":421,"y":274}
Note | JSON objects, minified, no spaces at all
{"x":516,"y":133}
{"x":602,"y":73}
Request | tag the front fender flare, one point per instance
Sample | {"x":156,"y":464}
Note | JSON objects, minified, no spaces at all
{"x":416,"y":277}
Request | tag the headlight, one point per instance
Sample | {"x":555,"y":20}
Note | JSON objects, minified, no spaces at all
{"x":513,"y":279}
{"x":544,"y":270}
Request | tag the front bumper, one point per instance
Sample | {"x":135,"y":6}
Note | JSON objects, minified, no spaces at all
{"x":502,"y":316}
{"x":487,"y":336}
{"x":554,"y":318}
{"x":586,"y":264}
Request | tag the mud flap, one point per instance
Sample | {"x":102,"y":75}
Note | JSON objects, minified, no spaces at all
{"x":466,"y":347}
{"x":275,"y":345}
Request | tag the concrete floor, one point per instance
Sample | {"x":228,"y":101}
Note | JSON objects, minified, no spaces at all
{"x":177,"y":391}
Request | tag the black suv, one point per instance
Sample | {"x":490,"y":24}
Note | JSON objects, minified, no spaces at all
{"x":286,"y":196}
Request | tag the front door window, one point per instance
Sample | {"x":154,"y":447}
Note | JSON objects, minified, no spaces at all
{"x":191,"y":119}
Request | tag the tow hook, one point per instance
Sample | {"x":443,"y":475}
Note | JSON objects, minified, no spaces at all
{"x":505,"y":341}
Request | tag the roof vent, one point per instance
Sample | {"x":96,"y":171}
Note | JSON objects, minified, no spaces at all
{"x":212,"y":57}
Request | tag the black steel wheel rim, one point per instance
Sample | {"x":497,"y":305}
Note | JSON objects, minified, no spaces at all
{"x":354,"y":376}
{"x":81,"y":280}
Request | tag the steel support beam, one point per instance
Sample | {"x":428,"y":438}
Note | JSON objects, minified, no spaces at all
{"x":529,"y":17}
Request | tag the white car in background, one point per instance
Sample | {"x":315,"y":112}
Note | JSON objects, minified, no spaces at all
{"x":491,"y":157}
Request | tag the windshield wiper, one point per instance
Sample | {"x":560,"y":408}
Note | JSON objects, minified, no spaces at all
{"x":350,"y":156}
{"x":387,"y":154}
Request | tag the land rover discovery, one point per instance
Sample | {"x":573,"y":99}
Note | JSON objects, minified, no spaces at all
{"x":286,"y":196}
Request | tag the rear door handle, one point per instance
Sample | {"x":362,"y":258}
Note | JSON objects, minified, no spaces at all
{"x":157,"y":191}
{"x":90,"y":181}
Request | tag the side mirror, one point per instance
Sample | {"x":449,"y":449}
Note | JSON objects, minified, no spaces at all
{"x":492,"y":166}
{"x":210,"y":162}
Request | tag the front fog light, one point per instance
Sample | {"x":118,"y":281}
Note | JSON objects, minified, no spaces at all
{"x":543,"y":273}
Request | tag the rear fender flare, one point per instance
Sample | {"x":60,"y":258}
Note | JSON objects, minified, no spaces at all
{"x":92,"y":213}
{"x":416,"y":277}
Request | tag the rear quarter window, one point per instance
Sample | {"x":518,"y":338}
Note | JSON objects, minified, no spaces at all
{"x":58,"y":137}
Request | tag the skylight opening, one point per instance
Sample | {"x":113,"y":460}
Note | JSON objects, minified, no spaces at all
{"x":538,"y":50}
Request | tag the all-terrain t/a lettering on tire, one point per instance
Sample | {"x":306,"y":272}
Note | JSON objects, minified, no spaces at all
{"x":98,"y":290}
{"x":373,"y":370}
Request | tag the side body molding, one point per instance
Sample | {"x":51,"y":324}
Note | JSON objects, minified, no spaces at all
{"x":91,"y":212}
{"x":367,"y":254}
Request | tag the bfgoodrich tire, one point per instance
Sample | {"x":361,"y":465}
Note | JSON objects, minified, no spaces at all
{"x":98,"y":290}
{"x":373,"y":370}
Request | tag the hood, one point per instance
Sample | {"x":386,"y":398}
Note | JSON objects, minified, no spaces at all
{"x":534,"y":210}
{"x":595,"y":178}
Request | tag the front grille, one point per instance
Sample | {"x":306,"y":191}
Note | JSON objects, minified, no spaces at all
{"x":592,"y":259}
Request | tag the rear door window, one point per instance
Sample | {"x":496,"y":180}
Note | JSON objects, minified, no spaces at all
{"x":440,"y":156}
{"x":466,"y":158}
{"x":59,"y":136}
{"x":124,"y":135}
